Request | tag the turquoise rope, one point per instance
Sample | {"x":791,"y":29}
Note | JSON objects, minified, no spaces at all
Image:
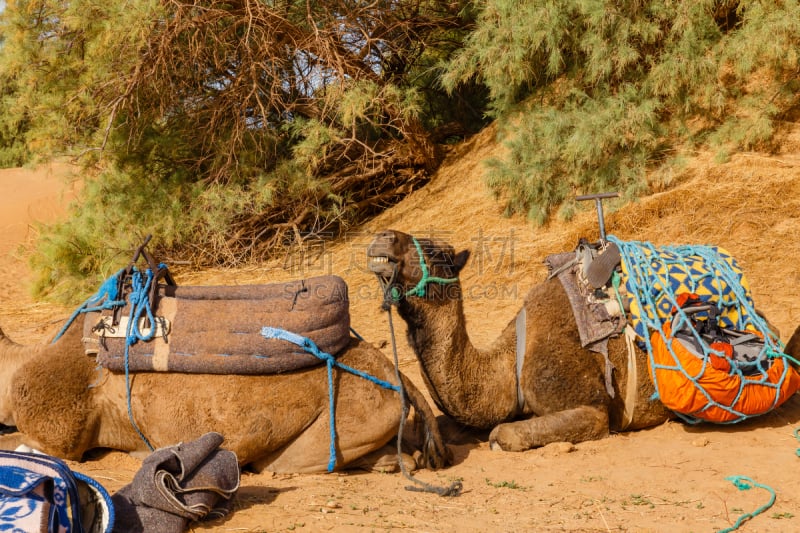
{"x":642,"y":277}
{"x":797,"y":437}
{"x":309,"y":346}
{"x":745,"y":483}
{"x":422,"y":284}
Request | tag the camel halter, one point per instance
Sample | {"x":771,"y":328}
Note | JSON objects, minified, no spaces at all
{"x":393,"y":292}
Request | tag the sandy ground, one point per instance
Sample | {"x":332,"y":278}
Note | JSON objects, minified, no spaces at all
{"x":670,"y":478}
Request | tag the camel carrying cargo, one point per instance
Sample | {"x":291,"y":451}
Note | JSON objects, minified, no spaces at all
{"x":566,"y":369}
{"x":341,"y":413}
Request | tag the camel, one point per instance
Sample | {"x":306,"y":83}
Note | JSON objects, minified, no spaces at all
{"x":559,"y":393}
{"x":64,"y":405}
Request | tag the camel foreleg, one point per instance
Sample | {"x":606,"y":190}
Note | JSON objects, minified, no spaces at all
{"x":434,"y":452}
{"x":571,"y":425}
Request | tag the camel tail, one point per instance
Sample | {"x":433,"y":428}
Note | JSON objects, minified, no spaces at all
{"x":435,"y":454}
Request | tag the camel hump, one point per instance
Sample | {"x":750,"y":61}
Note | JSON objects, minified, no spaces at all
{"x":218,"y":329}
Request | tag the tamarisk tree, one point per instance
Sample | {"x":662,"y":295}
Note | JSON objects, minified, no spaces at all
{"x":600,"y":95}
{"x":230,"y":129}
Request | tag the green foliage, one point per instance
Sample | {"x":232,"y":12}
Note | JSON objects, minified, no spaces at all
{"x":59,"y":56}
{"x":227,"y":129}
{"x":593,"y":94}
{"x":120,"y":206}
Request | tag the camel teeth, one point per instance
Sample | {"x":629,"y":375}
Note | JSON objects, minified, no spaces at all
{"x":379,"y":259}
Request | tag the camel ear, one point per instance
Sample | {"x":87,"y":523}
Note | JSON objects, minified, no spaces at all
{"x":460,"y":260}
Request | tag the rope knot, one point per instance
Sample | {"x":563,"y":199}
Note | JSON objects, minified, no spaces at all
{"x":739,"y":482}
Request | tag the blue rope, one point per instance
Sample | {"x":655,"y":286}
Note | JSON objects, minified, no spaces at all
{"x":105,"y":298}
{"x":648,"y":285}
{"x":745,"y":483}
{"x":139,"y":303}
{"x":309,"y":346}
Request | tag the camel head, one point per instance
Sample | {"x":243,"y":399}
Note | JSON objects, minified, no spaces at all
{"x":410,"y":267}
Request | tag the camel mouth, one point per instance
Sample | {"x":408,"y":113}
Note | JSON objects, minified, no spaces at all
{"x":383,"y":265}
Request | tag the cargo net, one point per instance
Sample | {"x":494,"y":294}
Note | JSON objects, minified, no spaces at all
{"x":652,"y":280}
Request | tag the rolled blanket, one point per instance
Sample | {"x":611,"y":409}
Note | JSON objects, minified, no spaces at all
{"x":176,"y":485}
{"x":217,"y":329}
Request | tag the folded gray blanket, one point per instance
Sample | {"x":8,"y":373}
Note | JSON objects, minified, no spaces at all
{"x":177,"y":485}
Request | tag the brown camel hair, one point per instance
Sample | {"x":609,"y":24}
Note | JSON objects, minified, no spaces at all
{"x":64,"y":405}
{"x":562,"y":384}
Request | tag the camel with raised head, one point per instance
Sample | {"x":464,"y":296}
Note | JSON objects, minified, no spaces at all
{"x":553,"y":390}
{"x":64,"y":405}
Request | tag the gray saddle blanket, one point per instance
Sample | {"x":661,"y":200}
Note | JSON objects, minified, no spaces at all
{"x":595,"y":324}
{"x":177,"y":485}
{"x":217,"y":329}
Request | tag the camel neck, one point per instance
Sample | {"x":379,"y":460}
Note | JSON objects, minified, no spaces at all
{"x":475,"y":387}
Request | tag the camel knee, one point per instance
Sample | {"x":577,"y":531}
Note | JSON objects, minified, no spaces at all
{"x":11,"y":441}
{"x":573,"y":425}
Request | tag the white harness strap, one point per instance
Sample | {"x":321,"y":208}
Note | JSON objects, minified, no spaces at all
{"x":632,"y":383}
{"x":521,"y":323}
{"x":169,"y":308}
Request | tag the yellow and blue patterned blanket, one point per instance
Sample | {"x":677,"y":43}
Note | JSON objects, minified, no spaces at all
{"x":653,"y":276}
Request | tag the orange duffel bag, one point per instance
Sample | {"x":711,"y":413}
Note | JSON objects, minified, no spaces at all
{"x":708,"y":373}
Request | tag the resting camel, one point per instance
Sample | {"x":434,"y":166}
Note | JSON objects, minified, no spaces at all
{"x":558,"y":394}
{"x":64,"y":405}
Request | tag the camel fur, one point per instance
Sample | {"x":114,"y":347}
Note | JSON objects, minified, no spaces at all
{"x":562,"y":384}
{"x":64,"y":404}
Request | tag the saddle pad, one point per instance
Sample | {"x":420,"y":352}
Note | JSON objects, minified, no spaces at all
{"x":217,"y":329}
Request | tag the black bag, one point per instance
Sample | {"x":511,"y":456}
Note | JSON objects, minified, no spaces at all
{"x":740,"y":349}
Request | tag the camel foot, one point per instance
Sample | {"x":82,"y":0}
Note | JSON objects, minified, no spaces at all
{"x":509,"y":438}
{"x":572,"y":425}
